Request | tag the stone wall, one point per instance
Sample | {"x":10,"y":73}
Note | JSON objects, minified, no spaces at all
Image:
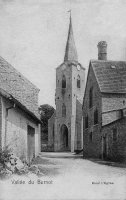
{"x":0,"y":122}
{"x":116,"y":150}
{"x":92,"y":148}
{"x":79,"y":132}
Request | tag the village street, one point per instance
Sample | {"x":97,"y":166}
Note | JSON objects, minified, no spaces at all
{"x":68,"y":176}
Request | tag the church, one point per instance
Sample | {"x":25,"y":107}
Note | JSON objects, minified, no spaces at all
{"x":65,"y":127}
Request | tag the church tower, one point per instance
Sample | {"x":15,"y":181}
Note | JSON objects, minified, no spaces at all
{"x":70,"y":85}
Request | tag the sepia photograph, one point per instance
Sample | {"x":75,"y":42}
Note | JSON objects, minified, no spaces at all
{"x":62,"y":99}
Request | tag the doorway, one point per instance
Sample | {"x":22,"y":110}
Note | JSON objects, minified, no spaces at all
{"x":31,"y":143}
{"x":104,"y":147}
{"x":64,"y":138}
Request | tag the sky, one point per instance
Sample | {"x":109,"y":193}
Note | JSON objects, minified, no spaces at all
{"x":33,"y":36}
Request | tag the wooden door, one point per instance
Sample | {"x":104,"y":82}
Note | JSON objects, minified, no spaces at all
{"x":104,"y":148}
{"x":31,"y":143}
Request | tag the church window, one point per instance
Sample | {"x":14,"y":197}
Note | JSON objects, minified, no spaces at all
{"x":78,"y":81}
{"x":63,"y":110}
{"x":90,"y":136}
{"x":91,"y":97}
{"x":63,"y":81}
{"x":96,"y":116}
{"x":86,"y":121}
{"x":115,"y":134}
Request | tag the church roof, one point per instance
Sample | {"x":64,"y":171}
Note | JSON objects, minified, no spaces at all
{"x":70,"y":52}
{"x":110,"y":75}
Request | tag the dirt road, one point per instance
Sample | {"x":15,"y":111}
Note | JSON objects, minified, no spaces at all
{"x":66,"y":176}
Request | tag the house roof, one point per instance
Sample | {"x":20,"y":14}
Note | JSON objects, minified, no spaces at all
{"x":114,"y":122}
{"x":110,"y":75}
{"x":15,"y":84}
{"x":18,"y":104}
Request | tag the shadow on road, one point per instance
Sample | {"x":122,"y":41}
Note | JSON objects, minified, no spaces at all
{"x":109,"y":163}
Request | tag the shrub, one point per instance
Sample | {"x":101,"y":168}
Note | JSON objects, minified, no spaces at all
{"x":5,"y":155}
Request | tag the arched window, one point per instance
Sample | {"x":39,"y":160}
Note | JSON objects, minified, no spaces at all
{"x":63,"y":110}
{"x":86,"y":121}
{"x":91,"y":97}
{"x":63,"y":81}
{"x":78,"y":82}
{"x":90,"y":136}
{"x":115,"y":134}
{"x":96,"y":116}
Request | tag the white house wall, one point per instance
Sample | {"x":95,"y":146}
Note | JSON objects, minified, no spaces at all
{"x":16,"y":133}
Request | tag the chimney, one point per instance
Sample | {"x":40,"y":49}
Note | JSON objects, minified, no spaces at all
{"x":102,"y":50}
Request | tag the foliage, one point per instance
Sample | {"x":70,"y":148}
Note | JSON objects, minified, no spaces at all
{"x":46,"y":112}
{"x":5,"y":155}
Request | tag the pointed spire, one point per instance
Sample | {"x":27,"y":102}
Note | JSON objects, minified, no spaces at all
{"x":70,"y":52}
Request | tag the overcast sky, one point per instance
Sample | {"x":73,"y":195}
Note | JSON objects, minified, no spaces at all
{"x":33,"y":35}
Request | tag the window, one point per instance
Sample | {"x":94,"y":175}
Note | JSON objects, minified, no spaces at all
{"x":96,"y":116}
{"x":90,"y":137}
{"x":115,"y":134}
{"x":86,"y":121}
{"x":63,"y":110}
{"x":91,"y":97}
{"x":78,"y":81}
{"x":63,"y":81}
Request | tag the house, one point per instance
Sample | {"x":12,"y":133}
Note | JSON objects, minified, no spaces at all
{"x":19,"y":118}
{"x":66,"y":126}
{"x":104,"y":108}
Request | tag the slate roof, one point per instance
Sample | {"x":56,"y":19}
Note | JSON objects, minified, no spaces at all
{"x":18,"y":104}
{"x":21,"y":89}
{"x":110,"y":75}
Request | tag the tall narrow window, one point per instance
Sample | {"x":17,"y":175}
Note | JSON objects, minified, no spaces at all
{"x":96,"y":116}
{"x":90,"y":137}
{"x":78,"y":82}
{"x":63,"y":110}
{"x":91,"y":97}
{"x":115,"y":134}
{"x":86,"y":121}
{"x":63,"y":81}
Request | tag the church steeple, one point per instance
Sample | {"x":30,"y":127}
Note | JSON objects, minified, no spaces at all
{"x":70,"y":52}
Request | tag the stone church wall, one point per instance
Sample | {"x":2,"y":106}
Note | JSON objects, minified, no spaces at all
{"x":92,"y":146}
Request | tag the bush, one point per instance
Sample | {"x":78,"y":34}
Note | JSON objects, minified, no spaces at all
{"x":5,"y":155}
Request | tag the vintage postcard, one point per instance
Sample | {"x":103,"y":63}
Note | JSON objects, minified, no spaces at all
{"x":62,"y":99}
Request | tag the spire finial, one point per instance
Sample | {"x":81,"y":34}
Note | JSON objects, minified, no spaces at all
{"x":70,"y":52}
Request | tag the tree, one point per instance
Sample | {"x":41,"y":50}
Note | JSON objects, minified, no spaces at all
{"x":46,"y":111}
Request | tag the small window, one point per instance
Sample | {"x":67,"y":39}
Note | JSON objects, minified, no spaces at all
{"x":86,"y":121}
{"x":63,"y":110}
{"x":78,"y":82}
{"x":115,"y":134}
{"x":96,"y":116}
{"x":63,"y":81}
{"x":91,"y":97}
{"x":90,"y":137}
